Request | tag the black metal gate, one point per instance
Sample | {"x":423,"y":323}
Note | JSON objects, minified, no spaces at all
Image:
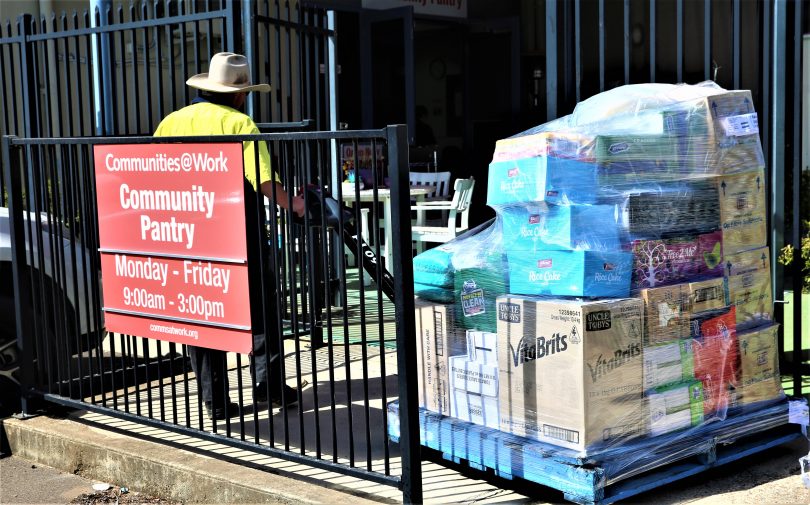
{"x":346,"y":354}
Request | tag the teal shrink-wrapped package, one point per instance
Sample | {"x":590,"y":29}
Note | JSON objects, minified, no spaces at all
{"x":619,"y":305}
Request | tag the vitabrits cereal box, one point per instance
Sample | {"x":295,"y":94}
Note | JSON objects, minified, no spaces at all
{"x":570,"y":372}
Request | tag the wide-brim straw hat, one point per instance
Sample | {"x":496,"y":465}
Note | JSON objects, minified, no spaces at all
{"x":227,"y":73}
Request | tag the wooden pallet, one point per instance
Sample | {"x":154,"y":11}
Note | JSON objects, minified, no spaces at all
{"x":612,"y":474}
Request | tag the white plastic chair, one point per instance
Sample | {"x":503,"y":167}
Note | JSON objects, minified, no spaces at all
{"x":440,"y":180}
{"x":458,"y":210}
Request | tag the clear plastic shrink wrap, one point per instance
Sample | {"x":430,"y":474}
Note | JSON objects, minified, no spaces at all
{"x":622,"y":297}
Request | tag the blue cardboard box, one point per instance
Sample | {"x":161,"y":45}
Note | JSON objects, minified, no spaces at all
{"x":541,"y":179}
{"x":531,"y":227}
{"x":570,"y":273}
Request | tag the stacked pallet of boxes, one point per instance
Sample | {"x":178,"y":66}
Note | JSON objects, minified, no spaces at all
{"x":623,"y":292}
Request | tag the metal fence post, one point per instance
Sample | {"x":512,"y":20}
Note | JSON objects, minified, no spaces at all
{"x":23,"y":324}
{"x":31,"y":122}
{"x":404,"y":309}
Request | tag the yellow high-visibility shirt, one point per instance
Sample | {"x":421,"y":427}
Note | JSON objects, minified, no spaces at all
{"x":206,"y":118}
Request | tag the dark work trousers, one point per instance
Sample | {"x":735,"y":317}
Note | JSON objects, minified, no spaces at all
{"x":210,"y":365}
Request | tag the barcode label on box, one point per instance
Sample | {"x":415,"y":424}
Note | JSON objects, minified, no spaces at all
{"x":566,"y":435}
{"x":736,"y":126}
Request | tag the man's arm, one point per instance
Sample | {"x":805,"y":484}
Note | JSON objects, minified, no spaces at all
{"x":281,"y":197}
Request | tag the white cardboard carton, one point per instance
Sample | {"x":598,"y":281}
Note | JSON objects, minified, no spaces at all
{"x":438,"y":340}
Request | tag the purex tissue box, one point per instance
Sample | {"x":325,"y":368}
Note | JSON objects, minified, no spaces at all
{"x":541,"y":179}
{"x":570,"y":273}
{"x":570,"y":370}
{"x":660,"y":262}
{"x":531,"y":227}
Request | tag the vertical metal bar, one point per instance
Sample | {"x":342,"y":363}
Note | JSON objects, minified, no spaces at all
{"x":11,"y":174}
{"x":136,"y":78}
{"x":798,"y":261}
{"x":735,"y":31}
{"x":551,"y":66}
{"x":170,"y":30}
{"x":653,"y":35}
{"x":578,"y":47}
{"x":777,"y":156}
{"x":102,"y":88}
{"x":31,"y":115}
{"x":766,"y":84}
{"x":288,"y":109}
{"x":707,"y":40}
{"x":249,"y":34}
{"x":679,"y":39}
{"x":626,"y":12}
{"x":404,"y":309}
{"x":124,"y":81}
{"x":602,"y":44}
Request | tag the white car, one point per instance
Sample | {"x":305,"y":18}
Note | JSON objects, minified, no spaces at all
{"x":65,"y":305}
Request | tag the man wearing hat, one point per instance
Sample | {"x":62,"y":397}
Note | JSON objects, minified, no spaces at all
{"x":217,"y":111}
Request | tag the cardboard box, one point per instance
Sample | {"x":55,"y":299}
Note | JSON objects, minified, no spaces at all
{"x":570,"y":371}
{"x":717,"y":362}
{"x":710,"y":262}
{"x":748,"y":284}
{"x":717,"y":134}
{"x":672,"y":207}
{"x":438,"y":340}
{"x":532,"y":227}
{"x":482,"y":347}
{"x":668,"y":363}
{"x":662,"y":262}
{"x":541,"y":179}
{"x":706,"y":295}
{"x":759,"y":365}
{"x":473,"y":408}
{"x":743,"y":210}
{"x":666,"y":313}
{"x":473,"y":377}
{"x":570,"y":273}
{"x":674,"y":407}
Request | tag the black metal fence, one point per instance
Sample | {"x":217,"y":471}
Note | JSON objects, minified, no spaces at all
{"x":345,"y":344}
{"x":119,"y":70}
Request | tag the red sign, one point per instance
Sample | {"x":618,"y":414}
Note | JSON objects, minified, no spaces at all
{"x":167,"y":287}
{"x":179,"y":199}
{"x":181,"y":332}
{"x":172,"y":237}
